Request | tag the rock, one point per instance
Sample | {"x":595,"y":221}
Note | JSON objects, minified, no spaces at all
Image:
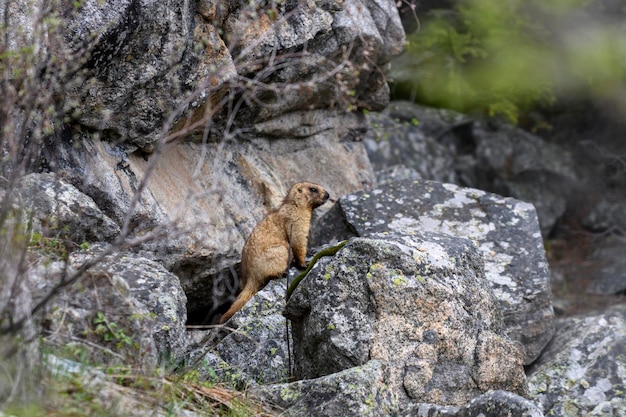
{"x":419,"y":303}
{"x":143,"y":59}
{"x":60,"y":210}
{"x":491,"y":404}
{"x":500,"y":403}
{"x":610,"y":277}
{"x":582,"y":372}
{"x":123,"y":310}
{"x":144,"y":65}
{"x":515,"y":163}
{"x":347,"y":44}
{"x":357,"y":391}
{"x":253,"y":347}
{"x":489,"y":156}
{"x":505,"y":230}
{"x":397,"y":138}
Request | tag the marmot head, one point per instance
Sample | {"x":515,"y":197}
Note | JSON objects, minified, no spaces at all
{"x":307,"y":194}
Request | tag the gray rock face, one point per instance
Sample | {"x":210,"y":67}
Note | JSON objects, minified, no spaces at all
{"x":446,"y":146}
{"x":505,"y":230}
{"x":59,"y":209}
{"x":583,"y":370}
{"x":213,"y":78}
{"x":150,"y":62}
{"x":124,"y":310}
{"x":357,"y":391}
{"x":144,"y":59}
{"x":397,"y":138}
{"x":420,"y":304}
{"x":253,"y":350}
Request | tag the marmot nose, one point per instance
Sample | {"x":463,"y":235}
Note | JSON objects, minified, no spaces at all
{"x":326,"y":196}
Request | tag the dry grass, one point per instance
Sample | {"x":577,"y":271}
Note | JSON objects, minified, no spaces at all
{"x":95,"y":394}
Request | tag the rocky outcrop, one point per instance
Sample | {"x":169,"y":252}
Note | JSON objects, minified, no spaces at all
{"x":505,"y":230}
{"x":207,"y":199}
{"x":211,"y":80}
{"x":144,"y":64}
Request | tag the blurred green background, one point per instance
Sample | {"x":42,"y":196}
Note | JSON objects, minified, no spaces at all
{"x":509,"y":58}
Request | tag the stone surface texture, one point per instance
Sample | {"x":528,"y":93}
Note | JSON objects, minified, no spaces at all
{"x":505,"y":231}
{"x":419,"y":303}
{"x":583,"y":370}
{"x":125,"y":309}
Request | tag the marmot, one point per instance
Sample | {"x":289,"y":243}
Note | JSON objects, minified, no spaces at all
{"x":266,"y":252}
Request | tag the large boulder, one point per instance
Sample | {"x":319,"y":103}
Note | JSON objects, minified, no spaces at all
{"x":124,"y":309}
{"x":59,"y":210}
{"x":420,"y":304}
{"x":505,"y":230}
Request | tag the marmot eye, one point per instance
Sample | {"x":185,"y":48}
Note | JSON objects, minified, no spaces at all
{"x":313,"y":189}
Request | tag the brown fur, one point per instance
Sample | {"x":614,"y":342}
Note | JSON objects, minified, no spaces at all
{"x":266,"y":252}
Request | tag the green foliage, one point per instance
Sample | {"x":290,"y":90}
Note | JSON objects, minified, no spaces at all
{"x":51,"y":247}
{"x":508,"y":58}
{"x":111,"y":332}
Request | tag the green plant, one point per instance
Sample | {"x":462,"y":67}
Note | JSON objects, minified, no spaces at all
{"x":51,"y":247}
{"x":480,"y":57}
{"x":110,"y":331}
{"x":509,"y":58}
